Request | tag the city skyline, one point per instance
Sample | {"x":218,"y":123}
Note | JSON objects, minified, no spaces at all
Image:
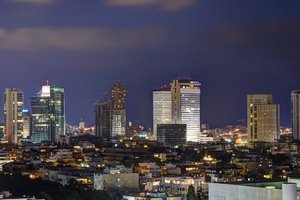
{"x":219,"y":43}
{"x":285,"y":122}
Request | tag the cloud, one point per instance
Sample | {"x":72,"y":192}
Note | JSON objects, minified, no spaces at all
{"x":37,"y":2}
{"x":266,"y":38}
{"x":80,"y":38}
{"x":166,"y":5}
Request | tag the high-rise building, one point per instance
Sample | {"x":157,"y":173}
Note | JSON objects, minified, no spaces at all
{"x":263,"y":118}
{"x":162,"y":107}
{"x":13,"y":116}
{"x":295,"y":97}
{"x":57,"y":105}
{"x":26,"y":123}
{"x":186,"y":106}
{"x":48,"y":114}
{"x":102,"y":120}
{"x":118,"y":110}
{"x":41,"y":124}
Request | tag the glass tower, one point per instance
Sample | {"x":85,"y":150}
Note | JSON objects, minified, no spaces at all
{"x":48,"y":114}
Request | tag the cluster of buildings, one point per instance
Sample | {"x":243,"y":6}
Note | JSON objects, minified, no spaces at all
{"x":176,"y":111}
{"x":110,"y":120}
{"x":134,"y":163}
{"x":44,"y":121}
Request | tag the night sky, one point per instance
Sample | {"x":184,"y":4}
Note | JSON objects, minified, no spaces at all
{"x":233,"y":47}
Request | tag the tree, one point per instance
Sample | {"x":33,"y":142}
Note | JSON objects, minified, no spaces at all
{"x":44,"y":195}
{"x":191,"y":195}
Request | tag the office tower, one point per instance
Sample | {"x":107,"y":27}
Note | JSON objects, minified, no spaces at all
{"x":57,"y":105}
{"x":186,"y":106}
{"x":263,"y":118}
{"x":171,"y":134}
{"x":13,"y":117}
{"x":102,"y":120}
{"x":118,"y":110}
{"x":295,"y":97}
{"x":48,"y":114}
{"x":162,"y":107}
{"x":41,"y":124}
{"x":26,"y":123}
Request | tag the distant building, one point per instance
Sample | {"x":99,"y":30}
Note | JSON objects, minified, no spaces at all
{"x":13,"y":116}
{"x":263,"y":118}
{"x":179,"y":185}
{"x":171,"y":134}
{"x":162,"y":107}
{"x":41,"y":124}
{"x":2,"y":130}
{"x":186,"y":106}
{"x":118,"y":110}
{"x":81,"y":124}
{"x":48,"y":114}
{"x":114,"y":182}
{"x":110,"y":116}
{"x":27,"y":123}
{"x":102,"y":120}
{"x":295,"y":99}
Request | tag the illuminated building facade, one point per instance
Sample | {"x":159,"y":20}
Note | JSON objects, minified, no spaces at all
{"x":162,"y":107}
{"x":295,"y":98}
{"x":263,"y":118}
{"x":26,"y":123}
{"x":57,"y":105}
{"x":48,"y":114}
{"x":118,"y":110}
{"x":13,"y":116}
{"x":186,"y":106}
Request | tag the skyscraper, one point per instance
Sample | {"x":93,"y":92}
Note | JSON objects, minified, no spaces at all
{"x":48,"y":114}
{"x":13,"y":116}
{"x":295,"y":97}
{"x":263,"y":118}
{"x":102,"y":120}
{"x":186,"y":106}
{"x":162,"y":107}
{"x":118,"y":110}
{"x":57,"y":105}
{"x":26,"y":123}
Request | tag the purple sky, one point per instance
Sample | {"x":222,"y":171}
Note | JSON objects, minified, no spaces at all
{"x":232,"y":47}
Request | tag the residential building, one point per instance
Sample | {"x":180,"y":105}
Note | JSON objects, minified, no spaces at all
{"x":13,"y":116}
{"x":295,"y":99}
{"x":118,"y":110}
{"x":263,"y":118}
